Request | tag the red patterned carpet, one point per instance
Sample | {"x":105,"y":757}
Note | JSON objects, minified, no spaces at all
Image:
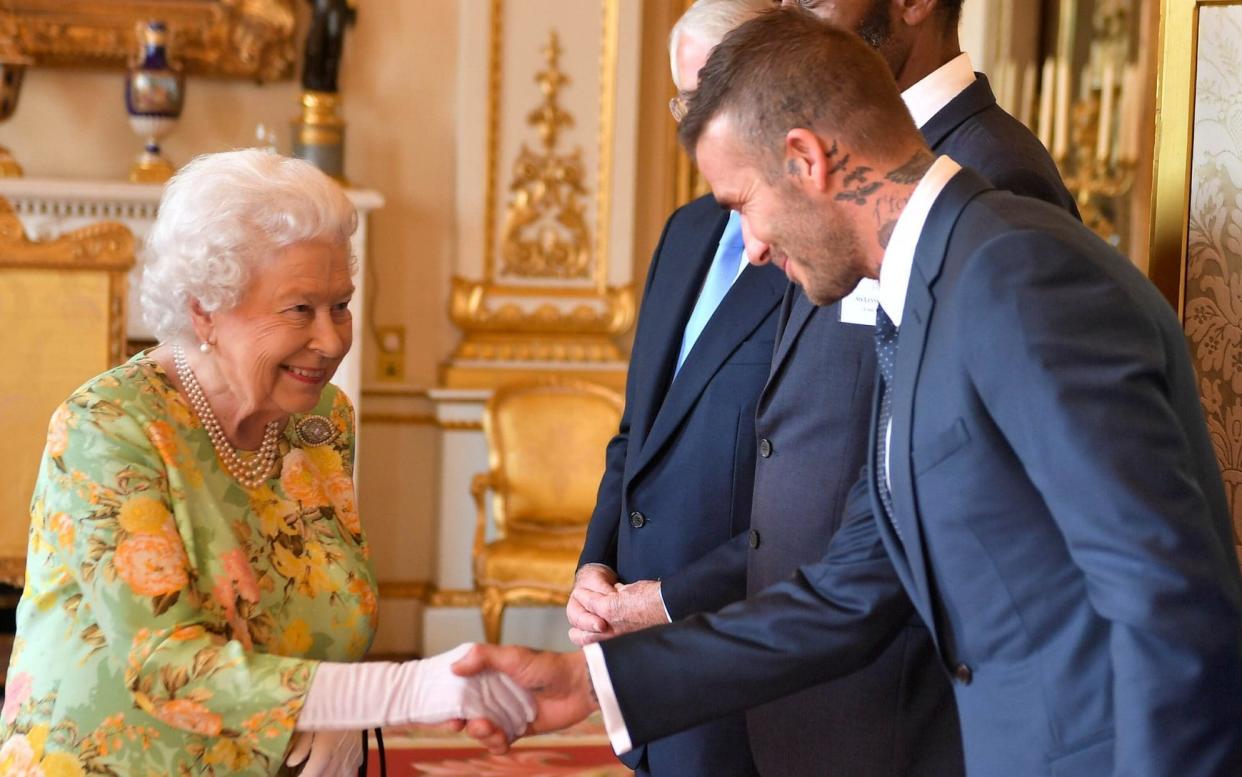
{"x":581,"y":751}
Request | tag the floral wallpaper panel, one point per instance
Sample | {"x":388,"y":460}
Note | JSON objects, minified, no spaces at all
{"x":1214,"y":246}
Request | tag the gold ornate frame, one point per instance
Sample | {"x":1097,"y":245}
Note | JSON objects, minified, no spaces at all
{"x":1193,"y":266}
{"x":1175,"y":116}
{"x":231,"y":38}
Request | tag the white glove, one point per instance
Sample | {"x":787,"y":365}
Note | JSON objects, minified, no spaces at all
{"x":332,"y":753}
{"x":374,"y":694}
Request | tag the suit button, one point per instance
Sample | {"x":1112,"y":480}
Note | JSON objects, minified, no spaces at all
{"x":765,"y":447}
{"x":638,"y":520}
{"x":963,"y":674}
{"x":754,"y":538}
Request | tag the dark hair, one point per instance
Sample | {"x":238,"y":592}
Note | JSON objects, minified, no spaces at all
{"x":786,"y":69}
{"x":951,"y":10}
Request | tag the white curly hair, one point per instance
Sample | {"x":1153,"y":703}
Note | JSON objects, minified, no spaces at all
{"x":710,"y":21}
{"x":224,"y":214}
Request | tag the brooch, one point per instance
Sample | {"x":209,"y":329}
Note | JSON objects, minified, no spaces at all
{"x":316,"y":430}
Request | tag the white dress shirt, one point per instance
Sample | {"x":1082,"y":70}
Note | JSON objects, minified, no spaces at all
{"x":924,"y":100}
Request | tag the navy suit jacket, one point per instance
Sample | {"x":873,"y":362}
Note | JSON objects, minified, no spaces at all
{"x":678,"y":478}
{"x":897,"y":715}
{"x":1063,"y":527}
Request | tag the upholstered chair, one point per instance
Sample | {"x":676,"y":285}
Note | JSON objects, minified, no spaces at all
{"x":62,"y":315}
{"x":546,"y":444}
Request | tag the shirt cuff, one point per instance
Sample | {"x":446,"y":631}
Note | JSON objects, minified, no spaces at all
{"x":618,"y":735}
{"x":667,"y":617}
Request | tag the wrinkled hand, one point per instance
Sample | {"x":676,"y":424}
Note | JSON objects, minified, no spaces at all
{"x":331,"y":753}
{"x":559,"y":683}
{"x":625,"y":608}
{"x":591,"y":578}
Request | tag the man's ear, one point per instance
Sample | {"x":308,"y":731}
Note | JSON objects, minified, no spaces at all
{"x":809,"y":164}
{"x":202,"y":322}
{"x":915,"y":12}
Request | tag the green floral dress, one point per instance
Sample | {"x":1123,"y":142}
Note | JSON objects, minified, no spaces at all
{"x":172,"y":619}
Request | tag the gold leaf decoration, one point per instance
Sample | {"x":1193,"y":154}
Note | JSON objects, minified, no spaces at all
{"x":545,"y":233}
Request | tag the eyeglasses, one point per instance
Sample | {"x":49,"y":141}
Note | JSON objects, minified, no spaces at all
{"x":678,"y":107}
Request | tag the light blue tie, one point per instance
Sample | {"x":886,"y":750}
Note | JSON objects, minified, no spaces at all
{"x":720,"y":277}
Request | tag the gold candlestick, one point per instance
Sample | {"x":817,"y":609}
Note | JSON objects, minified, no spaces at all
{"x":1093,"y":176}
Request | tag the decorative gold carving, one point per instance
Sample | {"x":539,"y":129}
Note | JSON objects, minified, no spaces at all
{"x":545,"y":233}
{"x":235,"y":38}
{"x":556,"y":305}
{"x":612,"y":314}
{"x":105,"y":246}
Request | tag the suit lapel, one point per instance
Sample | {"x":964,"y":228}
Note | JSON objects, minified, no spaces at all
{"x":973,"y":99}
{"x":684,"y":266}
{"x":912,"y":340}
{"x":800,"y":312}
{"x":892,"y":543}
{"x":744,"y":308}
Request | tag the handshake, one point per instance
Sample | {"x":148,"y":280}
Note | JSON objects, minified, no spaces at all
{"x":345,"y":699}
{"x":495,"y":693}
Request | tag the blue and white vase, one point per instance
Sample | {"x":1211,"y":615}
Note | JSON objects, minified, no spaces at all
{"x":154,"y":95}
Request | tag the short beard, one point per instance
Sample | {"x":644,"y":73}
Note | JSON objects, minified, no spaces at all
{"x":876,"y":27}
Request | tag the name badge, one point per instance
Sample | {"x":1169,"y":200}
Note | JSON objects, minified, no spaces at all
{"x":860,"y":306}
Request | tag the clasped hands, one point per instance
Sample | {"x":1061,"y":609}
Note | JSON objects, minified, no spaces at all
{"x":601,"y":608}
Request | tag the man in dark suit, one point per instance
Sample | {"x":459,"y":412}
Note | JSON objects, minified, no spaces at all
{"x":678,"y":476}
{"x":896,"y":715}
{"x":1042,"y":490}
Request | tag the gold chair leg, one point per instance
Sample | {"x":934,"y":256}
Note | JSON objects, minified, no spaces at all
{"x":493,"y":608}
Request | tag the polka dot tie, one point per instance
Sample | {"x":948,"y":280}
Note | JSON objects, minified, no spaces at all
{"x":886,"y":358}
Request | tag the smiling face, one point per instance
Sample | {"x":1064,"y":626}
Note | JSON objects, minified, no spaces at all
{"x":281,"y":344}
{"x":813,"y":239}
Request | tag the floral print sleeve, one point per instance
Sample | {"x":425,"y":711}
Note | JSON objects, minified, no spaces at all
{"x":172,"y":619}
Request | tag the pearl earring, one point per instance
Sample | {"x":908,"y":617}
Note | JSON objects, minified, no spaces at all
{"x":205,"y":347}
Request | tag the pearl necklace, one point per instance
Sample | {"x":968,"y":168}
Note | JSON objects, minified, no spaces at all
{"x":250,"y":473}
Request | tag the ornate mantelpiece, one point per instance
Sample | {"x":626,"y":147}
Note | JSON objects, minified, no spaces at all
{"x":49,"y":207}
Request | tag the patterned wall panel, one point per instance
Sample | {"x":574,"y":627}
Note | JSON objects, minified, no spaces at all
{"x":1213,"y":279}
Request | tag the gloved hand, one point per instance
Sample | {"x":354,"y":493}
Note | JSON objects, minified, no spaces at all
{"x":331,"y":753}
{"x":369,"y":695}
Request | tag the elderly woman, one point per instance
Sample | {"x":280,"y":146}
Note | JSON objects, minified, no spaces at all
{"x":197,"y":573}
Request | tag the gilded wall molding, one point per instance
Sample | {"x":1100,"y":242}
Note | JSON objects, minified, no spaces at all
{"x":426,"y":591}
{"x":234,"y":38}
{"x":417,"y":419}
{"x":544,"y":295}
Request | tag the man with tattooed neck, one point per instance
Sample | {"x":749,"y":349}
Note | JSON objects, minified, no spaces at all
{"x":1041,"y":490}
{"x":896,"y":716}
